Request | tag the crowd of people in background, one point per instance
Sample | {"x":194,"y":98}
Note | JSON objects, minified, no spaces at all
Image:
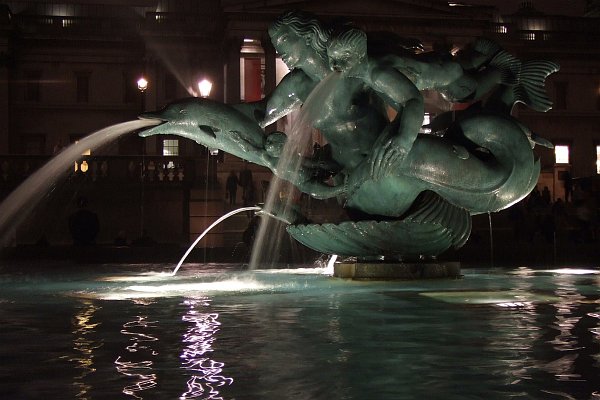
{"x":574,"y":218}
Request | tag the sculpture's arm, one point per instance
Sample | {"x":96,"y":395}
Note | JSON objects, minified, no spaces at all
{"x":401,"y":94}
{"x":325,"y":165}
{"x":477,"y":54}
{"x":289,"y":94}
{"x":303,"y":179}
{"x":425,"y":74}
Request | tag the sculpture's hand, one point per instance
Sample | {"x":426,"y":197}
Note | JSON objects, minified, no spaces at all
{"x":388,"y":152}
{"x":386,"y":158}
{"x":394,"y":154}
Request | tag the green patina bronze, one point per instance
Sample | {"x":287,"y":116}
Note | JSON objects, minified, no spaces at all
{"x":415,"y":193}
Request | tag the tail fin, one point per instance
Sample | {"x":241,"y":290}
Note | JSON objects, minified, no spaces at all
{"x":509,"y":67}
{"x":524,"y":81}
{"x":531,"y":89}
{"x":486,"y":46}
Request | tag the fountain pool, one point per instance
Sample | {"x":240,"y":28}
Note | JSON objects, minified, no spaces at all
{"x":218,"y":331}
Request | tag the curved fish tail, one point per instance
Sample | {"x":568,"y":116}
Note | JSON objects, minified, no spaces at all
{"x":509,"y":67}
{"x":523,"y":82}
{"x":430,"y":208}
{"x":486,"y":46}
{"x":531,"y":89}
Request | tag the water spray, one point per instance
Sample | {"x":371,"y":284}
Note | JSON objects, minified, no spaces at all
{"x":217,"y":222}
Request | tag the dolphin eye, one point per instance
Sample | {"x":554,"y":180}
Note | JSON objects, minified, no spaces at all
{"x":183,"y":111}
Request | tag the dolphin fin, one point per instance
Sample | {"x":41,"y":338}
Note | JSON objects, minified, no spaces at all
{"x":534,"y":138}
{"x":540,"y":141}
{"x":209,"y":130}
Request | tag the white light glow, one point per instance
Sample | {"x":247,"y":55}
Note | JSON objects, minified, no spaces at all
{"x":330,"y":264}
{"x":146,"y":277}
{"x":292,"y":271}
{"x":224,"y":286}
{"x":499,"y":298}
{"x":573,"y":271}
{"x":561,"y":153}
{"x":204,"y":86}
{"x":187,"y":289}
{"x":142,"y":84}
{"x":515,"y":304}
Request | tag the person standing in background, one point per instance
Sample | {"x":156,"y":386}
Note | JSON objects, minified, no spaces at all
{"x":231,"y":187}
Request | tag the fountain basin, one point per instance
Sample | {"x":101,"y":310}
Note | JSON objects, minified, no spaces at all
{"x":396,"y":270}
{"x":217,"y":331}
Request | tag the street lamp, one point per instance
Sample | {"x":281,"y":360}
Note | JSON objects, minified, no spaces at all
{"x":142,"y":84}
{"x":204,"y":86}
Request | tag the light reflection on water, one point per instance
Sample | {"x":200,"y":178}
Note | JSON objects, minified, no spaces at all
{"x":201,"y":334}
{"x":84,"y":346}
{"x":299,"y":334}
{"x":134,"y":364}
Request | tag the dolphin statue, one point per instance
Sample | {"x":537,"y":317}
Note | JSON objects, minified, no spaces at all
{"x":211,"y":124}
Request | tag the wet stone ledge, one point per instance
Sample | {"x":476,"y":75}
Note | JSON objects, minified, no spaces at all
{"x":397,"y":270}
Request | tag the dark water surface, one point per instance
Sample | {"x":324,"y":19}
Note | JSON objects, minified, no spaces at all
{"x":219,"y":332}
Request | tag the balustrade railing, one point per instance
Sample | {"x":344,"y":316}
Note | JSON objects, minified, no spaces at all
{"x":111,"y":169}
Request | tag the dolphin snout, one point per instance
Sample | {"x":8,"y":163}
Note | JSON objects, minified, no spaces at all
{"x":151,"y":115}
{"x":154,"y":130}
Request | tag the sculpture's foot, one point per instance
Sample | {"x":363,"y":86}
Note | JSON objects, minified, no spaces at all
{"x":382,"y":270}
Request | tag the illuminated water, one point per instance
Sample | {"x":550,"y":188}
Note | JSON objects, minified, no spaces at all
{"x":218,"y":331}
{"x":282,"y":196}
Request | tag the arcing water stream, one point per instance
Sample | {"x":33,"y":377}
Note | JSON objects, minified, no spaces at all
{"x":217,"y":222}
{"x":17,"y":206}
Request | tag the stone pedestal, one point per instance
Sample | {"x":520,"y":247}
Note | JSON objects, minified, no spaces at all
{"x":397,"y":270}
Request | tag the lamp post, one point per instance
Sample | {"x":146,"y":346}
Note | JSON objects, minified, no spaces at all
{"x":142,"y":85}
{"x":204,"y":86}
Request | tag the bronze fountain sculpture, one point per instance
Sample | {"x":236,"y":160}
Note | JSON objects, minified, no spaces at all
{"x":406,"y":194}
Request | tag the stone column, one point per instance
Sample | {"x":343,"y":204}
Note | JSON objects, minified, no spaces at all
{"x":270,"y":71}
{"x":232,"y":70}
{"x":4,"y":103}
{"x":4,"y":114}
{"x":270,"y":65}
